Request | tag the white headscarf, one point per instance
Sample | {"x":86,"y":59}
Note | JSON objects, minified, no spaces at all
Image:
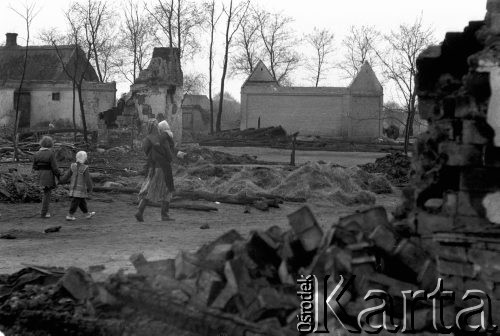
{"x":163,"y":126}
{"x":81,"y":157}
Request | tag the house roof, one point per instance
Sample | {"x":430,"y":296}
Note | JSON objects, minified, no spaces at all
{"x":366,"y":80}
{"x":44,"y":63}
{"x":196,"y":100}
{"x":260,"y":74}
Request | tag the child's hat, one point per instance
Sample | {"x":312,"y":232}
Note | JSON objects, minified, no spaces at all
{"x":81,"y":156}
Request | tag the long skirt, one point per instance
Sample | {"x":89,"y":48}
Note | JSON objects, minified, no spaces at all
{"x":154,"y":188}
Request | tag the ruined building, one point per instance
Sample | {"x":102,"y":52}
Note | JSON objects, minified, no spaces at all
{"x":455,"y":201}
{"x":343,"y":112}
{"x":47,"y":92}
{"x":195,"y":114}
{"x":157,"y":92}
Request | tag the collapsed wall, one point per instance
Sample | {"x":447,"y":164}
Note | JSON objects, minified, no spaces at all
{"x":456,"y":195}
{"x":157,"y":92}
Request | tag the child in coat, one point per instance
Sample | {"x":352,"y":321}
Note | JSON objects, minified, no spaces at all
{"x":44,"y":162}
{"x":80,"y":186}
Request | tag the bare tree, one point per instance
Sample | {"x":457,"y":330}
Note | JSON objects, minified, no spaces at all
{"x":96,"y":18}
{"x":193,"y":83}
{"x":234,"y":16}
{"x":136,"y":40}
{"x":360,"y":45}
{"x":28,"y":12}
{"x":51,"y":36}
{"x":247,"y":45}
{"x":322,"y":43}
{"x":211,"y":22}
{"x":279,"y":45}
{"x":163,"y":14}
{"x":180,"y":22}
{"x":399,"y":61}
{"x":78,"y":69}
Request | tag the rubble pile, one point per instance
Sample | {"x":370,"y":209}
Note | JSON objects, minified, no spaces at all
{"x":17,"y":187}
{"x":395,"y":167}
{"x":232,"y":285}
{"x":276,"y":137}
{"x":196,"y":155}
{"x":264,"y":135}
{"x":121,"y":160}
{"x":64,"y":151}
{"x":312,"y":181}
{"x":446,"y":228}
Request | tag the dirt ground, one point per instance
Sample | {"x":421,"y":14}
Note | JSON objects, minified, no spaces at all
{"x":113,"y":235}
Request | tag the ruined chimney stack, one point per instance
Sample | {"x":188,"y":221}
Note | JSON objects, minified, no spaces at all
{"x":11,"y":40}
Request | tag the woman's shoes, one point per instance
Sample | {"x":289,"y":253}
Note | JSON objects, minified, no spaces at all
{"x":139,"y":217}
{"x":165,"y":206}
{"x":167,"y":218}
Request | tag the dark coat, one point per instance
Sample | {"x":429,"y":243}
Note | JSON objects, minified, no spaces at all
{"x":44,"y":162}
{"x":81,"y":182}
{"x":159,"y":150}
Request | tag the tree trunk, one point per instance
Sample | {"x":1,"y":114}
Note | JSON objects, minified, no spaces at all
{"x":98,"y":68}
{"x":224,"y":71}
{"x":179,"y":38}
{"x":82,"y":113}
{"x":135,"y":61}
{"x":74,"y":112}
{"x":221,"y":98}
{"x":16,"y":121}
{"x":170,"y":23}
{"x":408,"y":126}
{"x":210,"y":77}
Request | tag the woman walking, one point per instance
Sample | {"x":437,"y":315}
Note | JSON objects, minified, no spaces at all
{"x":159,"y":183}
{"x":45,"y":163}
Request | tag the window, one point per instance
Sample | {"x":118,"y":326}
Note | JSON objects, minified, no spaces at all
{"x":56,"y":96}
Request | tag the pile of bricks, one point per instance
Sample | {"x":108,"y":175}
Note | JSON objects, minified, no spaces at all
{"x":248,"y":286}
{"x":232,"y":285}
{"x":255,"y":278}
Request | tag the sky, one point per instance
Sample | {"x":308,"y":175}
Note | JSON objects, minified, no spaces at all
{"x":336,"y":15}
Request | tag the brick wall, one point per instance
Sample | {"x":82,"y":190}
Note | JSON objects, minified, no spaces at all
{"x":457,"y":163}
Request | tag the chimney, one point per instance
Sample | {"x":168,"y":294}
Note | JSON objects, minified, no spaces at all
{"x":11,"y":40}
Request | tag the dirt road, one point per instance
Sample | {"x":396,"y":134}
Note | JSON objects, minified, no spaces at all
{"x":347,"y":159}
{"x":113,"y":235}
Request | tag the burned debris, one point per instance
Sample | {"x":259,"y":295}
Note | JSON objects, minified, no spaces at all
{"x":415,"y":270}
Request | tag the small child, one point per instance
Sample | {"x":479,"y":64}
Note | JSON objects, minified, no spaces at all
{"x":44,"y":162}
{"x":80,"y":186}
